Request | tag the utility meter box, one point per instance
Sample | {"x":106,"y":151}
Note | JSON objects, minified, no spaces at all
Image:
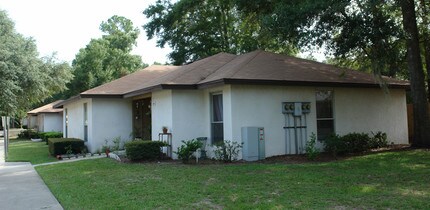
{"x":253,"y":139}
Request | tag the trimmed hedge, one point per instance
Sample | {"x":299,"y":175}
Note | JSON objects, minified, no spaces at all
{"x":48,"y":135}
{"x":354,"y":143}
{"x":28,"y":134}
{"x":144,"y":150}
{"x":57,"y":146}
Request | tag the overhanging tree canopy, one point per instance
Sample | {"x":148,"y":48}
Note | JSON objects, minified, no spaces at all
{"x":24,"y":77}
{"x":106,"y":58}
{"x":198,"y":29}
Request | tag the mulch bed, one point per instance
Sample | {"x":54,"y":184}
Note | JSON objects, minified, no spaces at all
{"x":285,"y":159}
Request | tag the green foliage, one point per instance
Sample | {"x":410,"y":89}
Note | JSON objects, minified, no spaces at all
{"x":311,"y":151}
{"x":144,"y":150}
{"x":57,"y":146}
{"x":378,"y":140}
{"x":25,"y":78}
{"x":365,"y":35}
{"x":354,"y":143}
{"x":334,"y":145}
{"x":198,"y":29}
{"x":29,"y":134}
{"x":47,"y":135}
{"x":117,"y":143}
{"x":106,"y":58}
{"x":186,"y":150}
{"x":69,"y":150}
{"x":227,"y":151}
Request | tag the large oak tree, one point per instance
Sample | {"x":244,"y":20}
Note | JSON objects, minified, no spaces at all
{"x":196,"y":29}
{"x":26,"y":79}
{"x":107,"y":58}
{"x":367,"y":33}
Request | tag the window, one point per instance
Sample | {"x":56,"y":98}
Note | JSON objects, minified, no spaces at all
{"x":217,"y":119}
{"x":325,"y":119}
{"x":85,"y":122}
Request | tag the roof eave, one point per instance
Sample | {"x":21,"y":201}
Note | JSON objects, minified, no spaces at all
{"x":102,"y":95}
{"x":227,"y":81}
{"x":67,"y":101}
{"x":160,"y":87}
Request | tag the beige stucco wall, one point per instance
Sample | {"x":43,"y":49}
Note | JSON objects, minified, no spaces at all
{"x":107,"y":119}
{"x":187,"y":114}
{"x":261,"y":106}
{"x":53,"y":122}
{"x":75,"y":112}
{"x":161,"y":112}
{"x":367,"y":110}
{"x":111,"y":118}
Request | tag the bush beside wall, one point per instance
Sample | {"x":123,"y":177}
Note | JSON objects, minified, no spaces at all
{"x":144,"y":150}
{"x":57,"y":146}
{"x":48,"y":135}
{"x":28,"y":134}
{"x":354,"y":143}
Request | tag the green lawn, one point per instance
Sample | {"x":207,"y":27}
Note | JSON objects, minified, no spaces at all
{"x":391,"y":180}
{"x":27,"y":151}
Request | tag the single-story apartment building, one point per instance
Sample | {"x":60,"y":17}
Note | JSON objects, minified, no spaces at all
{"x":278,"y":99}
{"x":46,"y":118}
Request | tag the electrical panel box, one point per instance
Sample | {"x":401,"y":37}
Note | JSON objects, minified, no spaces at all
{"x":306,"y":107}
{"x":253,"y":143}
{"x":297,"y":109}
{"x":287,"y":107}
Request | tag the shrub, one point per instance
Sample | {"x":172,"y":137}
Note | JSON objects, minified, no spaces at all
{"x":311,"y":151}
{"x":356,"y":142}
{"x":28,"y":134}
{"x":227,"y":151}
{"x":186,"y":150}
{"x":144,"y":150}
{"x":334,"y":145}
{"x":57,"y":146}
{"x":378,"y":140}
{"x":47,"y":135}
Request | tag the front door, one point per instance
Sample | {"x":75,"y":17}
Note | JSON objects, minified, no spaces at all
{"x":142,"y":118}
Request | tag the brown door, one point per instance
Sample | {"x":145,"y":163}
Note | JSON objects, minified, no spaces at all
{"x":142,"y":118}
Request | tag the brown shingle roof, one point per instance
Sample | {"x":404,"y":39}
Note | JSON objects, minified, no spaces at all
{"x":257,"y":67}
{"x":266,"y":66}
{"x":131,"y":82}
{"x":48,"y":108}
{"x":260,"y":67}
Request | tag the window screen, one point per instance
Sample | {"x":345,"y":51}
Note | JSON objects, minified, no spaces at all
{"x":325,"y":119}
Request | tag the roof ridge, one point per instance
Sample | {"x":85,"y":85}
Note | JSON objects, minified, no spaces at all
{"x":235,"y":56}
{"x":258,"y":52}
{"x":210,"y":58}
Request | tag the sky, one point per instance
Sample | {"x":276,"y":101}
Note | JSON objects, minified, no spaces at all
{"x":65,"y":27}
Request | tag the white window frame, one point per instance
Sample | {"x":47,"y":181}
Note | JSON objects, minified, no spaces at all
{"x":212,"y":121}
{"x":333,"y":118}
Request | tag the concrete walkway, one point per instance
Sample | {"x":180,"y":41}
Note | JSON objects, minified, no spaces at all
{"x":22,"y":188}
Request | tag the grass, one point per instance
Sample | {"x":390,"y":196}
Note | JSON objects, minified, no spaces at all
{"x":390,"y":180}
{"x":24,"y":150}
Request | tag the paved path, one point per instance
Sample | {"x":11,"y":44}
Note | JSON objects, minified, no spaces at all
{"x":22,"y":188}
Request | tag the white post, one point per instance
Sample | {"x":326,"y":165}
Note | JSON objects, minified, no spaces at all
{"x":5,"y":122}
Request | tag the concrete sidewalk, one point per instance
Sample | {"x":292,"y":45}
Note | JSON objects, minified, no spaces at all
{"x":22,"y":188}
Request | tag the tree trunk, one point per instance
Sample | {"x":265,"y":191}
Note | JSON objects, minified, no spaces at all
{"x":426,"y":42}
{"x":419,"y":98}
